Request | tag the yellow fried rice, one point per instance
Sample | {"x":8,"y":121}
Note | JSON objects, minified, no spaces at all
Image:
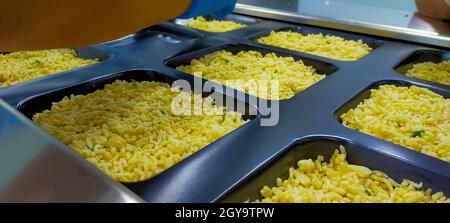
{"x":329,"y":46}
{"x":315,"y":181}
{"x":240,"y":70}
{"x":23,"y":66}
{"x":129,"y":131}
{"x":213,"y":25}
{"x":413,"y":117}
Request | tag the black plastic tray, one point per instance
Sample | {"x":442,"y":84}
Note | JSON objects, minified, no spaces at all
{"x":365,"y":94}
{"x":39,"y":103}
{"x":306,"y":121}
{"x":357,"y":154}
{"x":420,"y":56}
{"x":85,"y":53}
{"x":371,"y":42}
{"x":185,"y":59}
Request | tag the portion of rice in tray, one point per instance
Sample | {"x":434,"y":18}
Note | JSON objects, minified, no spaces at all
{"x":213,"y":25}
{"x":250,"y":71}
{"x":22,"y":66}
{"x":129,"y":131}
{"x":413,"y":117}
{"x":315,"y":181}
{"x":436,"y":72}
{"x":329,"y":46}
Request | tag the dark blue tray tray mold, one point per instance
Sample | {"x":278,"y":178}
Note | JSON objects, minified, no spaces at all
{"x":234,"y":168}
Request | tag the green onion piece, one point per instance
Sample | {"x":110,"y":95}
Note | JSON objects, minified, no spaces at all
{"x":134,"y":82}
{"x":417,"y":133}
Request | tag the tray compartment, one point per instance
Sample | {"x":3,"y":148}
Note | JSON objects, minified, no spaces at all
{"x":232,"y":17}
{"x":357,"y":154}
{"x":365,"y":94}
{"x":31,"y":106}
{"x":370,"y":41}
{"x":185,"y":59}
{"x":421,"y":56}
{"x":323,"y":68}
{"x":39,"y":103}
{"x":84,"y":53}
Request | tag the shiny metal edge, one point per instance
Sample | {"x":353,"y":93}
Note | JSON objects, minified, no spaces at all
{"x":64,"y":175}
{"x":400,"y":33}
